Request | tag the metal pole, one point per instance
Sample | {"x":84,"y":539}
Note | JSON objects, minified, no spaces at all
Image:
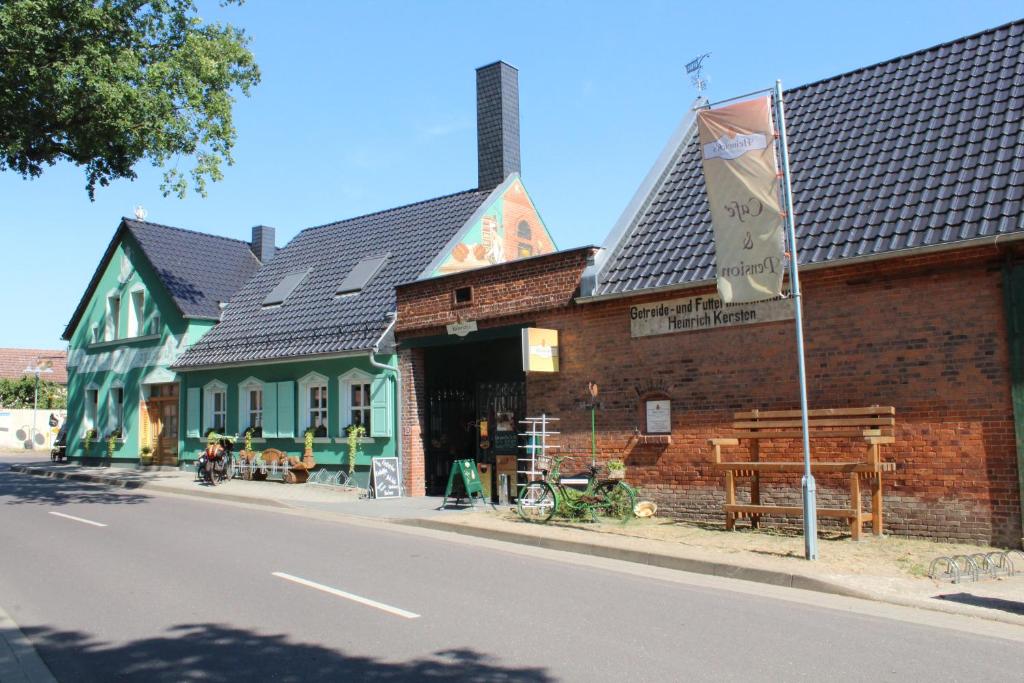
{"x":35,"y":409}
{"x":593,"y":435}
{"x":808,"y":486}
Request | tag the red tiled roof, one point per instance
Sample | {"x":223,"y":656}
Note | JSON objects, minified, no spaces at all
{"x":14,"y":361}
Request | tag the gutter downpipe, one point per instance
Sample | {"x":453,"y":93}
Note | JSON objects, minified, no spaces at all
{"x":398,"y":394}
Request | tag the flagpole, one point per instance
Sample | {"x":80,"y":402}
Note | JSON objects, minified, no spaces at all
{"x":808,"y":486}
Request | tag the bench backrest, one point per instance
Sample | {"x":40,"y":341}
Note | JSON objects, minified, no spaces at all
{"x":821,"y":422}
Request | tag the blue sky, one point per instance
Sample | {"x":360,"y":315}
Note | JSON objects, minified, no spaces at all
{"x":369,"y":105}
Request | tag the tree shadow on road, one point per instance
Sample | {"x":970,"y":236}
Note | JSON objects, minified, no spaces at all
{"x":214,"y":652}
{"x":27,"y":489}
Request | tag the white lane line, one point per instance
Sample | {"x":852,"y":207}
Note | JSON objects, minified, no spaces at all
{"x":348,"y":596}
{"x":77,"y":519}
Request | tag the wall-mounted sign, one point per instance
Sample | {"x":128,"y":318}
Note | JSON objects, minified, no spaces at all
{"x":704,"y":312}
{"x":540,"y":350}
{"x":461,"y":329}
{"x":659,"y":417}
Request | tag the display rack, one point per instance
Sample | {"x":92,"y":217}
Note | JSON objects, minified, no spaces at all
{"x":539,"y":448}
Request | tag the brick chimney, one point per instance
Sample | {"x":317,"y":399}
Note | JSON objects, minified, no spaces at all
{"x":497,"y":123}
{"x":262,"y":244}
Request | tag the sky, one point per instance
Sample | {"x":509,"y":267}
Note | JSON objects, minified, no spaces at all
{"x":369,"y":105}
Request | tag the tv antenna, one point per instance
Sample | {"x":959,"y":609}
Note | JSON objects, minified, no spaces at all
{"x":696,"y":71}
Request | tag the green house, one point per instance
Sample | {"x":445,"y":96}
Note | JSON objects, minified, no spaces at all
{"x":156,"y":291}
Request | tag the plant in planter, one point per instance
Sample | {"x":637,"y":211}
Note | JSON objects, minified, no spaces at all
{"x":112,"y":438}
{"x":616,"y":469}
{"x":308,"y":437}
{"x":146,"y":455}
{"x":250,"y":433}
{"x":90,"y":436}
{"x":355,"y":432}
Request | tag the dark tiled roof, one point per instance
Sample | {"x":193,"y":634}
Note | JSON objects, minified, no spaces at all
{"x":14,"y":361}
{"x":198,"y":270}
{"x":922,"y":150}
{"x":312,"y":320}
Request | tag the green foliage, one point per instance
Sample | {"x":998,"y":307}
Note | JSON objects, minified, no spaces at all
{"x":248,"y":439}
{"x":18,"y":393}
{"x":105,"y":85}
{"x":308,"y":438}
{"x":146,"y":451}
{"x":355,"y":432}
{"x":616,"y":465}
{"x":90,"y":436}
{"x":112,"y":442}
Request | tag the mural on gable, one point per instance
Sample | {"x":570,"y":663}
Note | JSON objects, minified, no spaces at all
{"x":509,"y":229}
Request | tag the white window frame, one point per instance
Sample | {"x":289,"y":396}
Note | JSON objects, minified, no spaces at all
{"x":115,"y":413}
{"x":214,"y":387}
{"x":91,"y":414}
{"x":244,"y":389}
{"x":113,"y":316}
{"x":136,"y":316}
{"x":313,"y":379}
{"x":345,"y":382}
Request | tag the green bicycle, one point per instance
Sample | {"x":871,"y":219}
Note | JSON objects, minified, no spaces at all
{"x":539,"y":500}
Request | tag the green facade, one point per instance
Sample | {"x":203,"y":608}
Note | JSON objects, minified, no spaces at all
{"x":286,"y":407}
{"x":137,"y":356}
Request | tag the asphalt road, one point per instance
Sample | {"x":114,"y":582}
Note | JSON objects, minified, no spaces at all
{"x":179,"y":589}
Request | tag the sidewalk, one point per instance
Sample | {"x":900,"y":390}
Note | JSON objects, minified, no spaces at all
{"x":890,"y":569}
{"x":19,"y":662}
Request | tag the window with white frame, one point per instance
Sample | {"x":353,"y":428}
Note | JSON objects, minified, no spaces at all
{"x":137,"y":313}
{"x":250,"y":406}
{"x":215,"y":402}
{"x":113,"y":316}
{"x":154,"y":324}
{"x":92,"y":402}
{"x":313,"y":403}
{"x":116,"y":399}
{"x":355,"y":397}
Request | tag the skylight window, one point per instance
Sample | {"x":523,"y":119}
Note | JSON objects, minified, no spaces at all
{"x":285,"y":288}
{"x":360,"y":275}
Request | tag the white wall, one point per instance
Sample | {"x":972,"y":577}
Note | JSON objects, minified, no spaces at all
{"x":16,"y":428}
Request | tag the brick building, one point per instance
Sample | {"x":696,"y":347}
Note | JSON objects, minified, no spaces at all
{"x":908,"y":180}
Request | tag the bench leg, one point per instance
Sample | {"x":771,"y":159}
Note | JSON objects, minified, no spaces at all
{"x":755,"y":498}
{"x":730,"y":499}
{"x":876,"y":504}
{"x":855,"y":523}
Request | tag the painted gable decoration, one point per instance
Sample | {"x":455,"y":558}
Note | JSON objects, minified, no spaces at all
{"x":507,"y":229}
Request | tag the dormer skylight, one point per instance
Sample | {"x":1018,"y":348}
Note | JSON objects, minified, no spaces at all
{"x":360,"y":275}
{"x":284,"y":288}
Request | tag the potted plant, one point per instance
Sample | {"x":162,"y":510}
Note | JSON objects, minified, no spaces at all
{"x":146,"y":455}
{"x":355,"y":432}
{"x":90,"y":436}
{"x":112,"y":438}
{"x":616,"y":469}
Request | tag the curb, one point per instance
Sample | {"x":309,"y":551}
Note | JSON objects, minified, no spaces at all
{"x":140,"y":484}
{"x":685,"y":564}
{"x":19,"y":661}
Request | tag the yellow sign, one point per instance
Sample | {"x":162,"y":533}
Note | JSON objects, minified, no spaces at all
{"x":540,"y":350}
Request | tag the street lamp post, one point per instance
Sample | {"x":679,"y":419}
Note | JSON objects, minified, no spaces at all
{"x":37,"y":370}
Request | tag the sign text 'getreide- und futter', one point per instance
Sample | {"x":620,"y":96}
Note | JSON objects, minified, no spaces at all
{"x":704,"y":312}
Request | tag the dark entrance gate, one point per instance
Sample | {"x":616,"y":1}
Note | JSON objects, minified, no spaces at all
{"x":476,"y":395}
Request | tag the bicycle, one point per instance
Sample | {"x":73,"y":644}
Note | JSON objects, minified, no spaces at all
{"x":539,"y":500}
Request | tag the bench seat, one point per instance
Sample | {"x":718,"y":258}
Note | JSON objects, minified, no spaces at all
{"x":748,"y":466}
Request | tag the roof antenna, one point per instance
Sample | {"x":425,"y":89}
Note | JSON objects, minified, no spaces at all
{"x":696,"y":69}
{"x":140,"y":213}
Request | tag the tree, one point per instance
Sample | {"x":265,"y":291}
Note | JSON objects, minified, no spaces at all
{"x":20,"y":393}
{"x":106,"y":84}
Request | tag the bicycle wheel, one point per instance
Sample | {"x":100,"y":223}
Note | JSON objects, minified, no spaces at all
{"x":537,"y":502}
{"x":619,"y":499}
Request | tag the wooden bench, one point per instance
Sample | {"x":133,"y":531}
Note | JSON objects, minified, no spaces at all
{"x":869,"y":427}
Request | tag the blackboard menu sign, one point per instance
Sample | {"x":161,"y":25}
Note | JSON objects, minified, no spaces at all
{"x":385,"y":478}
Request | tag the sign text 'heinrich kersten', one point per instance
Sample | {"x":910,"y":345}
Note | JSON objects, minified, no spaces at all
{"x":703,"y":312}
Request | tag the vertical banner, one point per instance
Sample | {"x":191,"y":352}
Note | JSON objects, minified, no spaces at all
{"x":741,"y":175}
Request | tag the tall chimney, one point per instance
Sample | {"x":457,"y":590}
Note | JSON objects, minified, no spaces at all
{"x":497,"y":123}
{"x":262,"y":244}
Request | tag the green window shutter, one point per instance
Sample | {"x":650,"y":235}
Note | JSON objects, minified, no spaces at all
{"x":285,"y":409}
{"x":380,"y":406}
{"x":269,"y":410}
{"x":193,"y":413}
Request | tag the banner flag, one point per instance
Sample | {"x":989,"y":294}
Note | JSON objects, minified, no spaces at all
{"x":741,"y":175}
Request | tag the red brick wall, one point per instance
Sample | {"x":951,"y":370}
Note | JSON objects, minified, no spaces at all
{"x":413,"y":419}
{"x":926,"y":335}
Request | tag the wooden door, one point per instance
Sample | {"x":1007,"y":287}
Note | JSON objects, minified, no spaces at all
{"x":162,"y":407}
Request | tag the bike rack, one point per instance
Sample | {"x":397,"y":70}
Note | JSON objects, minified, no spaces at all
{"x":992,"y":564}
{"x":951,"y":568}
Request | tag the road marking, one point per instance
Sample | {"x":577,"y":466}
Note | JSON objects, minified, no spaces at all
{"x":77,"y":519}
{"x":348,"y":596}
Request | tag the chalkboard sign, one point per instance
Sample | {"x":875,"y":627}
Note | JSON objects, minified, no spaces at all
{"x":385,"y":478}
{"x":464,"y":471}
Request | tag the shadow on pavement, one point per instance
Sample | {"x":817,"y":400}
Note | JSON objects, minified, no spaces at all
{"x":21,"y":489}
{"x":213,"y":652}
{"x":1011,"y":606}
